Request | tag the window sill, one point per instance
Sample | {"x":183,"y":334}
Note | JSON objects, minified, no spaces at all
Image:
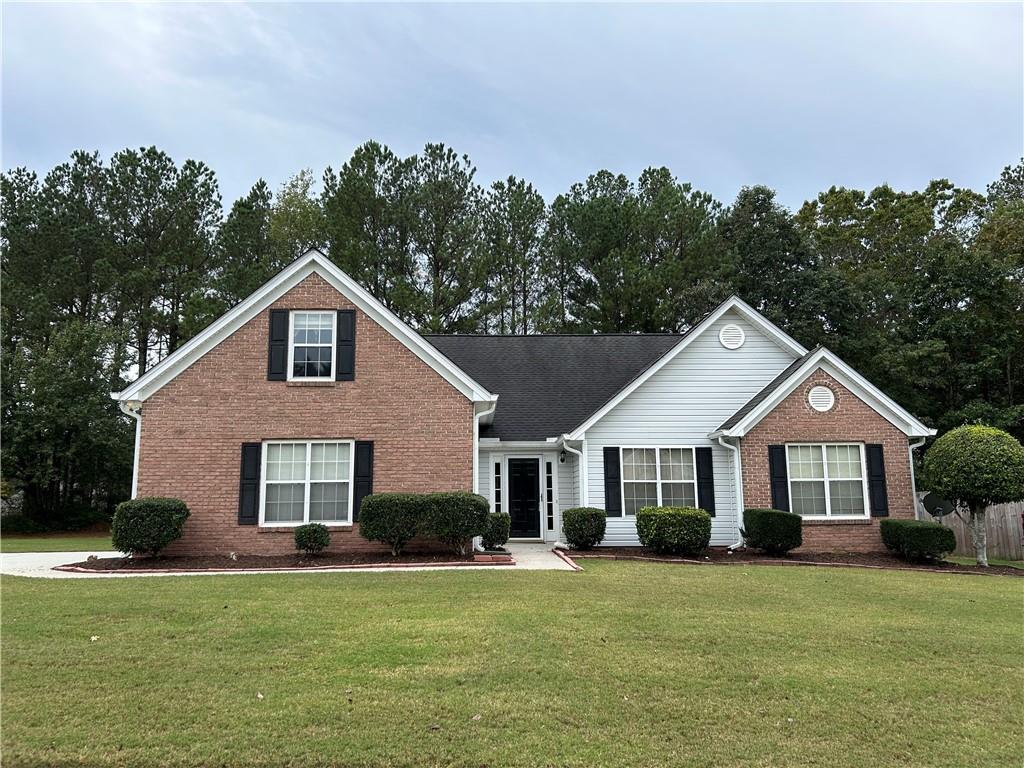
{"x":838,"y":521}
{"x":325,"y":383}
{"x":290,"y":529}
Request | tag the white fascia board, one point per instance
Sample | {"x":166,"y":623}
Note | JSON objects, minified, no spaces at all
{"x":881,"y":403}
{"x":311,"y":262}
{"x":780,"y":337}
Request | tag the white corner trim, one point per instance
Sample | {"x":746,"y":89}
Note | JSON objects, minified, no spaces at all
{"x":823,"y":358}
{"x":780,"y":337}
{"x":312,"y":261}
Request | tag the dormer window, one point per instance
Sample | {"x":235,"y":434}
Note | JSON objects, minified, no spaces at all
{"x":312,"y":348}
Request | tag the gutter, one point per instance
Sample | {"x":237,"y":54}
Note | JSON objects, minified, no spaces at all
{"x":738,"y":480}
{"x":133,"y":408}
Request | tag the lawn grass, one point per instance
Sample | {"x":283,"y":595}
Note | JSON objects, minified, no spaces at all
{"x":623,"y":664}
{"x":48,"y":542}
{"x":991,"y":561}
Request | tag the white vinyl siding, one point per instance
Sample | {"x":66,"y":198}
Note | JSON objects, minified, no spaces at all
{"x":680,"y":405}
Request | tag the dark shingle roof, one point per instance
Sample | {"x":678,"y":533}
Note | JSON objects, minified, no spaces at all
{"x":548,"y":385}
{"x":761,"y":396}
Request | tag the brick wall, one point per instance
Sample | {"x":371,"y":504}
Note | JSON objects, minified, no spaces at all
{"x":193,"y":428}
{"x":850,"y":420}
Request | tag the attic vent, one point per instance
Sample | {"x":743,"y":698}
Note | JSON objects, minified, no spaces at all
{"x":731,"y":336}
{"x":821,"y":398}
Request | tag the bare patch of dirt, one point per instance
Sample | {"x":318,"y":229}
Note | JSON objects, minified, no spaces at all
{"x":721,"y":555}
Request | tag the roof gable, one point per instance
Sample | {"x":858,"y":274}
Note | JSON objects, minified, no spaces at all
{"x":734,"y":303}
{"x":741,"y":422}
{"x":312,"y":262}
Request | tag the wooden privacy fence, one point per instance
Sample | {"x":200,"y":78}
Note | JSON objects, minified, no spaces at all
{"x":1005,"y":524}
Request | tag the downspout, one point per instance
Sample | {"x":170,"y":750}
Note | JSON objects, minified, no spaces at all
{"x":134,"y":409}
{"x":476,"y":442}
{"x":913,"y":480}
{"x":579,"y":454}
{"x":738,"y":480}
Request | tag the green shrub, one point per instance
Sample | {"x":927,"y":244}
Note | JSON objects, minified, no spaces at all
{"x":455,"y":517}
{"x":976,"y":466}
{"x":496,"y":532}
{"x":312,"y":538}
{"x":917,"y":540}
{"x":674,"y":530}
{"x":583,"y":527}
{"x":393,"y":518}
{"x":145,"y":526}
{"x":772,"y":530}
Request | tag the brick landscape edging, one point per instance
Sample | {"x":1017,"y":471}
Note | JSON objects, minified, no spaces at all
{"x":679,"y":561}
{"x":287,"y":569}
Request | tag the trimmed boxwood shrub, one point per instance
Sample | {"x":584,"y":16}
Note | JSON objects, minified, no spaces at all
{"x":147,"y":525}
{"x":772,"y":530}
{"x":583,"y":527}
{"x":674,"y":530}
{"x":393,"y":518}
{"x":455,"y":517}
{"x":917,"y":540}
{"x":312,"y":538}
{"x":496,"y":532}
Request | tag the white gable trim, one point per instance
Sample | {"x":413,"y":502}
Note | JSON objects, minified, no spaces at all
{"x":776,"y":334}
{"x":824,"y":359}
{"x":311,"y":262}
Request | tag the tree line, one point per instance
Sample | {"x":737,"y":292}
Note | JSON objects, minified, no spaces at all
{"x":110,"y":265}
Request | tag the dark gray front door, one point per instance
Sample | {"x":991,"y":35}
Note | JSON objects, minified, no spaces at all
{"x":524,"y":498}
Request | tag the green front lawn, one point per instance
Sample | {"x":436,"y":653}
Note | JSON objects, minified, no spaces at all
{"x":49,"y":542}
{"x":624,"y":664}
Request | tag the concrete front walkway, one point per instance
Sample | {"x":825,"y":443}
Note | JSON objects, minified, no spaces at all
{"x":41,"y":564}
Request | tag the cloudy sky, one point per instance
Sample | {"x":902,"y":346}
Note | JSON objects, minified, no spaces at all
{"x":796,"y":96}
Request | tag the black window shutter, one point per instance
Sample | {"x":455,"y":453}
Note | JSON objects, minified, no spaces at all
{"x":249,"y":485}
{"x":612,"y":483}
{"x":363,"y":475}
{"x":705,"y":481}
{"x":779,"y":478}
{"x":277,"y":348}
{"x":877,"y":492}
{"x":346,"y":346}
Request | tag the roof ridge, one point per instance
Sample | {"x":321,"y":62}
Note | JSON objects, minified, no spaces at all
{"x":549,"y":335}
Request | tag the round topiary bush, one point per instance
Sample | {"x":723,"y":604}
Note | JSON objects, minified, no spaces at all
{"x":772,"y":530}
{"x":393,"y":518}
{"x":312,"y":538}
{"x":917,"y":540}
{"x":583,"y":527}
{"x":455,"y":517}
{"x":674,"y":530}
{"x":145,"y":526}
{"x":976,"y":466}
{"x":496,"y":532}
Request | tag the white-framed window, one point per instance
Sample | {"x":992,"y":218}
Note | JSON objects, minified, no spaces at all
{"x":827,"y":480}
{"x":654,"y":477}
{"x":306,"y":482}
{"x":311,"y":346}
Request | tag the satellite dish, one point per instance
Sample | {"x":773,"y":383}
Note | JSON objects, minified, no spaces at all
{"x":937,"y":506}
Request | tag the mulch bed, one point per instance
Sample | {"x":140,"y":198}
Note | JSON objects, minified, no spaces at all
{"x":269,"y":562}
{"x":723,"y":556}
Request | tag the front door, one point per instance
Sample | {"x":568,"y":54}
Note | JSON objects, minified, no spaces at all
{"x":524,"y":498}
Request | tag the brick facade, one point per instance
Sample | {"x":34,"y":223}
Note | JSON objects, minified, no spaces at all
{"x":850,"y":420}
{"x":193,"y":428}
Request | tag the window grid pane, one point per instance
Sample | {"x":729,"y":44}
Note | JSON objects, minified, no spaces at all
{"x":639,"y":464}
{"x":287,"y":486}
{"x":497,"y":486}
{"x":807,"y":497}
{"x":312,"y":344}
{"x":846,"y":497}
{"x":678,"y":494}
{"x":805,"y":462}
{"x":639,"y":495}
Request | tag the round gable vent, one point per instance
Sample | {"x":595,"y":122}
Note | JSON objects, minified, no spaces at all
{"x":821,"y":398}
{"x":731,"y":336}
